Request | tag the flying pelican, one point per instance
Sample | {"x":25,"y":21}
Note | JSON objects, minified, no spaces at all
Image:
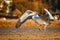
{"x":34,"y":15}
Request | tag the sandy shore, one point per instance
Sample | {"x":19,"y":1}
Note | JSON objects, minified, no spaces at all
{"x":30,"y":36}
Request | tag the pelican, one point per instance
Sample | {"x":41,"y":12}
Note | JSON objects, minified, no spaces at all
{"x":33,"y":14}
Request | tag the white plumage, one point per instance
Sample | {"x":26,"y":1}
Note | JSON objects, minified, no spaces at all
{"x":34,"y":15}
{"x":48,"y":13}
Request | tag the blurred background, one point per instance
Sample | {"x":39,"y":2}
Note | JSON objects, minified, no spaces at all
{"x":22,"y":5}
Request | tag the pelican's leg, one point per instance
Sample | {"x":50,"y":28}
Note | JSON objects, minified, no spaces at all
{"x":45,"y":27}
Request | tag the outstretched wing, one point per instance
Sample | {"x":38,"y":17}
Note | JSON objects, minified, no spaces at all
{"x":49,"y":14}
{"x":23,"y":18}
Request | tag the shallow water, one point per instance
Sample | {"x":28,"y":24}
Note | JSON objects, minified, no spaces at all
{"x":27,"y":30}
